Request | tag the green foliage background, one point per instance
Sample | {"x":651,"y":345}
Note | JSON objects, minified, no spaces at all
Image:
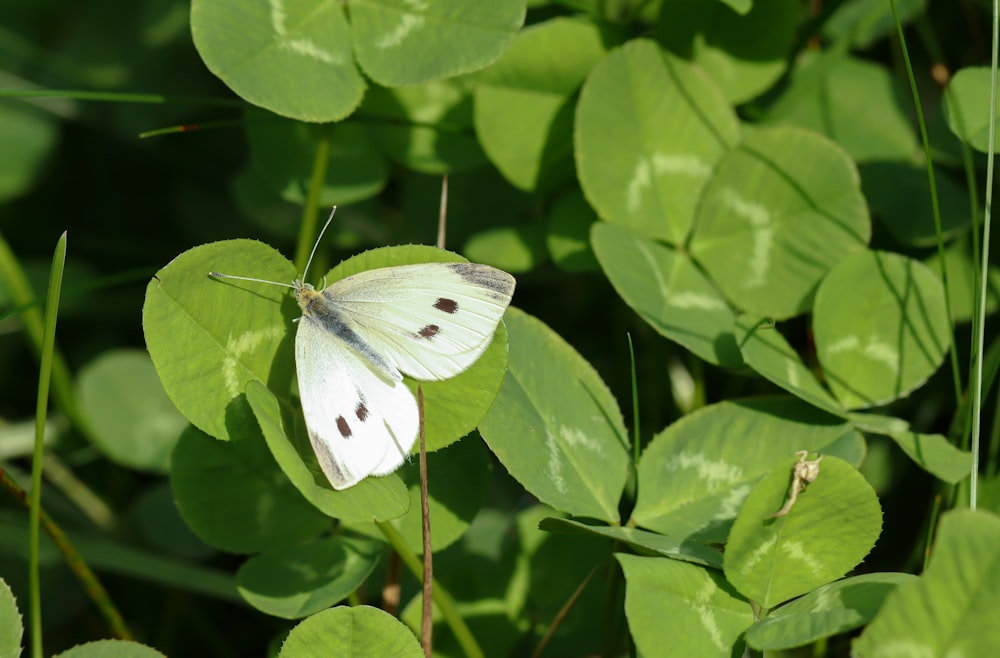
{"x":734,"y":192}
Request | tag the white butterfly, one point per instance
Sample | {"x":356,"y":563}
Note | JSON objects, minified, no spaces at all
{"x":358,"y":337}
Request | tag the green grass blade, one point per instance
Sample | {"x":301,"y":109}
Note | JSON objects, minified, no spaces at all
{"x":980,"y":328}
{"x":935,"y":204}
{"x":16,"y":282}
{"x":41,"y":412}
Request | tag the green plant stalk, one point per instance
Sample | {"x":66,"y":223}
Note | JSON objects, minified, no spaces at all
{"x":978,"y":266}
{"x":931,"y":527}
{"x":635,"y":405}
{"x":964,"y":438}
{"x":961,"y":426}
{"x":821,"y":647}
{"x":935,"y":204}
{"x":441,"y":597}
{"x":956,"y":375}
{"x":926,"y":33}
{"x":980,"y":329}
{"x":41,"y":412}
{"x":187,"y":127}
{"x":157,"y":99}
{"x":310,"y":220}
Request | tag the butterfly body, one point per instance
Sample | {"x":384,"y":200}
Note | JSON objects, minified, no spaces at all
{"x":322,"y":310}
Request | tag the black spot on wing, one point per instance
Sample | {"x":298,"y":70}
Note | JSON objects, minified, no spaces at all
{"x":430,"y":331}
{"x":449,"y":306}
{"x":360,"y":412}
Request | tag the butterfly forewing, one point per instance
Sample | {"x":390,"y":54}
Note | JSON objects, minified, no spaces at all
{"x":360,"y":423}
{"x":430,"y":321}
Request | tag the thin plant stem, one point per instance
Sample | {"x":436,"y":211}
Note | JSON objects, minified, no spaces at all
{"x":118,"y":97}
{"x":443,"y":213}
{"x":41,"y":414}
{"x":635,"y":404}
{"x":980,"y":328}
{"x":310,"y":217}
{"x":192,"y":127}
{"x":929,"y":539}
{"x":935,"y":204}
{"x":926,"y":33}
{"x":427,"y":616}
{"x":427,"y":599}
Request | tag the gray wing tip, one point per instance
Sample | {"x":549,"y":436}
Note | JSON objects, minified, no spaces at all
{"x":485,"y":276}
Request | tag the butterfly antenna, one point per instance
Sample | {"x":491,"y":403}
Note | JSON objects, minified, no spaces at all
{"x":220,"y":275}
{"x":318,"y":238}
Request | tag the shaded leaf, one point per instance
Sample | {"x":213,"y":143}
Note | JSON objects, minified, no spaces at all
{"x":253,"y":505}
{"x":298,"y":581}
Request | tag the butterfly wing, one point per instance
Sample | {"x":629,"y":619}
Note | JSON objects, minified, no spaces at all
{"x":430,"y":321}
{"x":360,"y":423}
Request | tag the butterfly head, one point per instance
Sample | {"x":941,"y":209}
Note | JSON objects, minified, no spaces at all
{"x":305,"y":293}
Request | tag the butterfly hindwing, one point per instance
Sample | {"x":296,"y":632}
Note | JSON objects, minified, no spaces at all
{"x":359,"y":422}
{"x":430,"y":321}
